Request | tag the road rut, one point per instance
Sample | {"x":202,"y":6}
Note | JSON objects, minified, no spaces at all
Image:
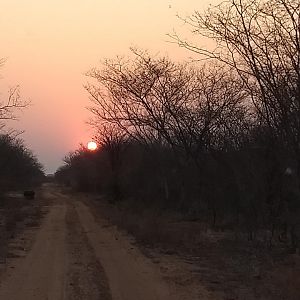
{"x":75,"y":256}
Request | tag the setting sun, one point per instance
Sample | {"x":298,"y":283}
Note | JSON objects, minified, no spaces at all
{"x":92,"y":146}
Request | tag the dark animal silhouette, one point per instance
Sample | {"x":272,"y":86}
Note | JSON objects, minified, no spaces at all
{"x":29,"y":194}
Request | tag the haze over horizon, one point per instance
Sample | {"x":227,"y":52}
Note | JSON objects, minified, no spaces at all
{"x":49,"y":45}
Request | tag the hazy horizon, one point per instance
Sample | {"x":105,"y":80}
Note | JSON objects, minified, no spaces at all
{"x":49,"y":46}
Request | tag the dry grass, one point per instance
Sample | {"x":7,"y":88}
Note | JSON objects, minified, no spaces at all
{"x":221,"y":261}
{"x":16,"y":213}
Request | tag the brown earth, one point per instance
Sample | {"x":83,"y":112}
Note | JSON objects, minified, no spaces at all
{"x":73,"y":256}
{"x":70,"y":246}
{"x":202,"y":263}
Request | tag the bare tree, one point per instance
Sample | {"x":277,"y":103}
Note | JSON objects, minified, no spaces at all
{"x":260,"y":40}
{"x":132,"y":95}
{"x":14,"y":102}
{"x":113,"y":142}
{"x":194,"y":111}
{"x":154,"y":99}
{"x":11,"y":105}
{"x":18,"y":166}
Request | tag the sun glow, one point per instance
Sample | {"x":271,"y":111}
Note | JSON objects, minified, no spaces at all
{"x":92,"y":146}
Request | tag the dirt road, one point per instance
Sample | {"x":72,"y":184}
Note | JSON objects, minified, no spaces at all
{"x":74,"y":256}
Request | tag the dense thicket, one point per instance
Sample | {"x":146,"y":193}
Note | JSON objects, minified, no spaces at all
{"x":19,"y":168}
{"x":219,"y":141}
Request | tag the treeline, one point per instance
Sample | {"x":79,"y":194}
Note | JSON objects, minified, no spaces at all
{"x":218,"y":141}
{"x":19,"y":168}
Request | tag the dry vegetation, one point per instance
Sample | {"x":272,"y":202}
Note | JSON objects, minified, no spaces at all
{"x":190,"y":254}
{"x":204,"y":159}
{"x":19,"y":169}
{"x":17,"y":214}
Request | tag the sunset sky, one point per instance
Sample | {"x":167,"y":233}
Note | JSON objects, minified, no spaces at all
{"x":49,"y":45}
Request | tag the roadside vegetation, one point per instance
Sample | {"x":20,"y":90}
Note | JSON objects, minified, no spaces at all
{"x":215,"y":143}
{"x":19,"y":170}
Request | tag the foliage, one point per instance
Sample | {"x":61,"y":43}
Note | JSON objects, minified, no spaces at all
{"x":217,"y":141}
{"x":19,"y":168}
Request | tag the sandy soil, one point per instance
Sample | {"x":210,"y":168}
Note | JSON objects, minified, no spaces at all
{"x":74,"y":256}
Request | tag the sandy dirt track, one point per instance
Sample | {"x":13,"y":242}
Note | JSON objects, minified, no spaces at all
{"x":74,"y":256}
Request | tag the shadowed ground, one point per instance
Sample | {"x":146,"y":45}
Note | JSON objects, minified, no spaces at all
{"x":74,"y":257}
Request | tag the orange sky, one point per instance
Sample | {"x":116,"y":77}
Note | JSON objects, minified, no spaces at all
{"x":50,"y":44}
